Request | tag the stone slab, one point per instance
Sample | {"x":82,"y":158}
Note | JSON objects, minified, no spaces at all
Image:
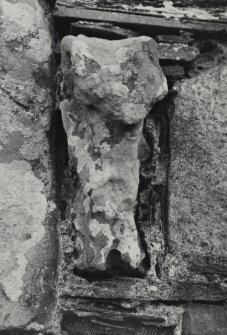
{"x":197,"y":182}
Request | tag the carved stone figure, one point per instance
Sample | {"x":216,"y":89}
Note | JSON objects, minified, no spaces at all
{"x":107,"y":91}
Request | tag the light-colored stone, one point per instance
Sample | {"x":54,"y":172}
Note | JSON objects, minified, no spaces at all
{"x":198,"y":176}
{"x":28,"y":244}
{"x":108,"y":89}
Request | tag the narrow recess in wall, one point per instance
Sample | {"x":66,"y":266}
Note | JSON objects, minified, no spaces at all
{"x":59,"y":148}
{"x":158,"y":192}
{"x":152,"y":208}
{"x":162,"y":114}
{"x":153,"y":197}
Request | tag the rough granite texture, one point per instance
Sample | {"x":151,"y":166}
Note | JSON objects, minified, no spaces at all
{"x":198,"y":180}
{"x":108,"y":89}
{"x":28,"y":243}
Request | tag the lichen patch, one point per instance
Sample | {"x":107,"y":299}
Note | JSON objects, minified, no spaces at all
{"x":22,"y":211}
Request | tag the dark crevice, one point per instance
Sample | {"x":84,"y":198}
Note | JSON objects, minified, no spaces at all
{"x":62,"y":27}
{"x":116,"y":267}
{"x":100,"y":30}
{"x":163,"y":113}
{"x":158,"y":269}
{"x":152,"y":192}
{"x":116,"y":272}
{"x":145,"y":266}
{"x":120,"y":301}
{"x":59,"y":149}
{"x":51,"y":2}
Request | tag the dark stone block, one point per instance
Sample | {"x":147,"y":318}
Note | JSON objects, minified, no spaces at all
{"x":89,"y":325}
{"x":205,"y":320}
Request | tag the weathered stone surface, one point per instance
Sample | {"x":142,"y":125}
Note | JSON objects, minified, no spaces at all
{"x":177,"y":51}
{"x":108,"y":89}
{"x":211,"y":55}
{"x":101,"y":30}
{"x":173,"y":72}
{"x":198,"y":185}
{"x":95,"y":316}
{"x":28,"y":244}
{"x":183,"y":38}
{"x":145,"y":289}
{"x":184,"y":9}
{"x":169,"y":19}
{"x":83,"y":325}
{"x":204,"y":320}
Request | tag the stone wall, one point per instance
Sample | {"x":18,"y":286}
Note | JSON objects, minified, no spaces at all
{"x":113,"y":167}
{"x":29,"y":234}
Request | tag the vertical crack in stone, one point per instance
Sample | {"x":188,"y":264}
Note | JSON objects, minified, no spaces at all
{"x":59,"y":149}
{"x":108,"y":89}
{"x":152,"y":212}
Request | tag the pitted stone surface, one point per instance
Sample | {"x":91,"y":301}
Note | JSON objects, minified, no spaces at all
{"x":198,"y":184}
{"x":108,"y":89}
{"x":21,"y":201}
{"x":28,"y":248}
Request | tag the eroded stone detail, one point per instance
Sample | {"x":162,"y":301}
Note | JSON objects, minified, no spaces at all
{"x":108,"y":89}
